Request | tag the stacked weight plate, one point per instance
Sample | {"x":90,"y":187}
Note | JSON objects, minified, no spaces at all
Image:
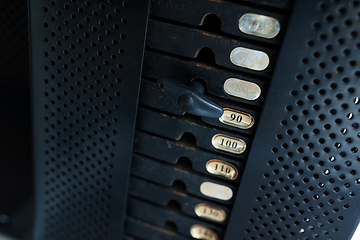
{"x":181,"y":160}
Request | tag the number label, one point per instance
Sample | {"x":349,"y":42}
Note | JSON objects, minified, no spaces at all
{"x":222,"y":168}
{"x":237,"y":119}
{"x":242,"y":89}
{"x":210,"y":212}
{"x":201,"y":232}
{"x":217,"y":191}
{"x":249,"y":58}
{"x":259,"y":25}
{"x":228,"y":144}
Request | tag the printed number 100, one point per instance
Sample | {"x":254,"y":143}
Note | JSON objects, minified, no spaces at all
{"x":228,"y":143}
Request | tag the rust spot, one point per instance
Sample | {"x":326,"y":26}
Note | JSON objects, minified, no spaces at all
{"x":180,"y":170}
{"x":188,"y":121}
{"x":182,"y":145}
{"x":164,"y":115}
{"x":168,"y":144}
{"x":211,"y":35}
{"x":203,"y":66}
{"x":157,"y":138}
{"x":179,"y":193}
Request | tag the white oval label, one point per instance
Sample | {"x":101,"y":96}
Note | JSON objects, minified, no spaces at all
{"x":216,"y":191}
{"x":259,"y":25}
{"x":249,"y":58}
{"x":242,"y":89}
{"x":201,"y":232}
{"x":213,"y":213}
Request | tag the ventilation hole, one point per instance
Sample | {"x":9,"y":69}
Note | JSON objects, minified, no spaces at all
{"x":329,"y":18}
{"x":334,"y":59}
{"x":304,"y":60}
{"x":347,"y":22}
{"x":310,"y":71}
{"x":316,"y":25}
{"x":322,"y":65}
{"x":316,"y":54}
{"x":310,"y":43}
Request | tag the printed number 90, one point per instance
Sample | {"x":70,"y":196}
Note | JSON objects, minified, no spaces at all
{"x":235,"y":117}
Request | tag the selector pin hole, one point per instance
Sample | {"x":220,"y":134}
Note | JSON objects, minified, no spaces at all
{"x":205,"y":55}
{"x":211,"y":23}
{"x":170,"y":226}
{"x":173,"y":206}
{"x":201,"y":81}
{"x":188,"y":139}
{"x":179,"y":186}
{"x":184,"y":163}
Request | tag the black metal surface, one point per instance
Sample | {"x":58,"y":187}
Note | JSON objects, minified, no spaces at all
{"x":144,"y":230}
{"x":172,"y":199}
{"x":215,"y":15}
{"x":150,"y":95}
{"x":166,"y":175}
{"x":275,"y":4}
{"x":180,"y":153}
{"x":158,"y":65}
{"x":86,"y":68}
{"x":15,"y":127}
{"x":302,"y":176}
{"x":145,"y":212}
{"x":149,"y":121}
{"x":189,"y":42}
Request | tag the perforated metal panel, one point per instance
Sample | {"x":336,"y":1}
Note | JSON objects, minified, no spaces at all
{"x":302,"y":177}
{"x":86,"y":63}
